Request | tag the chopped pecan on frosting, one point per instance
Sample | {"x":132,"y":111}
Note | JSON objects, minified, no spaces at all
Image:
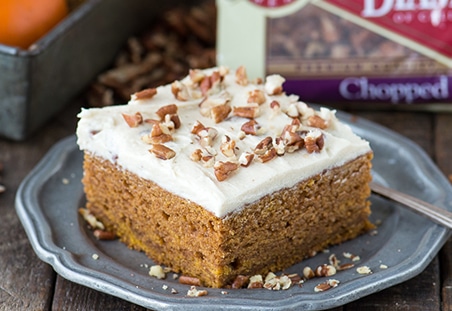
{"x":210,"y":84}
{"x":180,"y":91}
{"x":227,"y":147}
{"x":303,"y":132}
{"x":265,"y":150}
{"x":144,"y":94}
{"x":314,"y":141}
{"x":250,"y":127}
{"x":241,"y":77}
{"x":246,"y":158}
{"x":220,"y":112}
{"x":249,"y":112}
{"x":162,"y":152}
{"x":133,"y":120}
{"x":256,"y":96}
{"x":216,"y":106}
{"x":317,"y":121}
{"x":223,"y":169}
{"x":166,"y":110}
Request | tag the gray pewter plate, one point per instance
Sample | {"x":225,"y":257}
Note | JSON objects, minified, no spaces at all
{"x":48,"y":200}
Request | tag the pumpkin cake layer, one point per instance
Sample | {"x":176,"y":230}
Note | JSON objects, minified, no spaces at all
{"x":226,"y":177}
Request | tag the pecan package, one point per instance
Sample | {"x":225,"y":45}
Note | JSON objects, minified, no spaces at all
{"x":378,"y":52}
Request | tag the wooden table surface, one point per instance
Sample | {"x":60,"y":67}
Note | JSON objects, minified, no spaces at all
{"x":27,"y":283}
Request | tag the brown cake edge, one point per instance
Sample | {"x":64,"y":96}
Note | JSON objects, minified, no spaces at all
{"x":271,"y":234}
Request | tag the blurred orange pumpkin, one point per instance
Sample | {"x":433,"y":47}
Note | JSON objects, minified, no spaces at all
{"x":23,"y":22}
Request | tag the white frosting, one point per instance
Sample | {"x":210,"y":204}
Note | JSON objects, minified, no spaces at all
{"x":104,"y":133}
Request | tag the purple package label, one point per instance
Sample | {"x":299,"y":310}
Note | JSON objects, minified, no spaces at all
{"x":376,"y":90}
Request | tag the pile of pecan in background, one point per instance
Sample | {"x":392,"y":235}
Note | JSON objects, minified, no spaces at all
{"x":183,"y":38}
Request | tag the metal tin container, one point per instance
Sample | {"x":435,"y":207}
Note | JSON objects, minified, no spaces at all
{"x":38,"y":82}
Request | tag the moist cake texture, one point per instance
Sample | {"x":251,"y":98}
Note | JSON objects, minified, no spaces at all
{"x":216,"y":175}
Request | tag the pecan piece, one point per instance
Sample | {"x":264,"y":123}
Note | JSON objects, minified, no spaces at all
{"x":263,"y":145}
{"x":172,"y":121}
{"x":207,"y":136}
{"x":162,"y":152}
{"x":220,"y":112}
{"x":189,"y":280}
{"x":273,"y":282}
{"x":265,"y":150}
{"x":227,"y":147}
{"x":104,"y":235}
{"x":208,"y":161}
{"x":210,"y":103}
{"x":250,"y":127}
{"x":249,"y":112}
{"x":256,"y":96}
{"x":159,"y":139}
{"x":240,"y":281}
{"x":180,"y":91}
{"x":205,"y":85}
{"x":196,"y":155}
{"x":156,"y":130}
{"x":223,"y":169}
{"x":314,"y":141}
{"x":316,"y":121}
{"x":256,"y":281}
{"x":196,"y":75}
{"x":210,"y":84}
{"x":308,"y":273}
{"x":165,"y":110}
{"x":133,"y":120}
{"x":345,"y":266}
{"x":197,"y":128}
{"x":326,"y":285}
{"x":325,"y":270}
{"x":144,"y":94}
{"x":291,"y":138}
{"x":194,"y":292}
{"x":241,"y":76}
{"x":246,"y":158}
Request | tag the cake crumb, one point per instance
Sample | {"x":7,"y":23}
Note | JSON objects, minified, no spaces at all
{"x":363,"y":270}
{"x":95,"y":256}
{"x":373,"y":232}
{"x":174,"y":291}
{"x":165,"y":287}
{"x":65,"y":181}
{"x":157,"y":271}
{"x":223,"y":292}
{"x":383,"y":266}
